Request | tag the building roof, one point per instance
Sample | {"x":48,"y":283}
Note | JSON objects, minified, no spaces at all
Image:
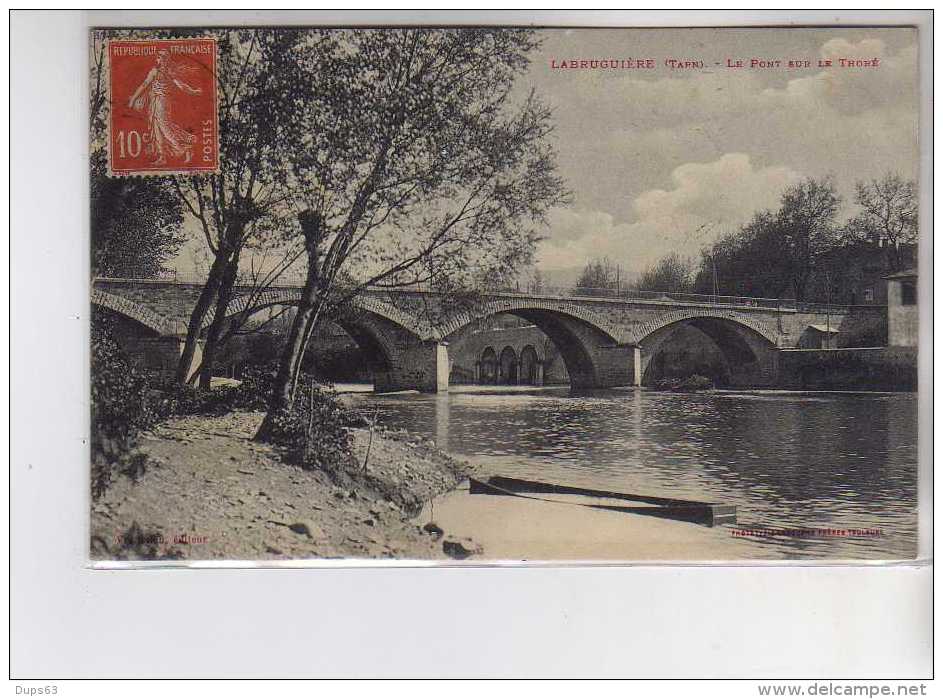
{"x":904,"y":274}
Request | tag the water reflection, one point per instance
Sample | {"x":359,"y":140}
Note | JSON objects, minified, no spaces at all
{"x":786,"y":459}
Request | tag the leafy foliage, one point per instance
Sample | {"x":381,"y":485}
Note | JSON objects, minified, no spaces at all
{"x":248,"y":205}
{"x":799,"y":251}
{"x":121,"y":408}
{"x":426,"y":166}
{"x":313,"y":432}
{"x":671,"y":273}
{"x":776,"y":253}
{"x":748,"y":262}
{"x":598,"y":276}
{"x":251,"y":394}
{"x":136,"y":224}
{"x":255,"y":391}
{"x":174,"y":399}
{"x":806,"y":219}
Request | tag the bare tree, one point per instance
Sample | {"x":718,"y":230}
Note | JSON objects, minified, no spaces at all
{"x":429,"y":168}
{"x":888,"y":213}
{"x":263,"y":88}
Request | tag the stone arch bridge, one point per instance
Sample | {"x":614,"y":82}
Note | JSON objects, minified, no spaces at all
{"x":603,"y":341}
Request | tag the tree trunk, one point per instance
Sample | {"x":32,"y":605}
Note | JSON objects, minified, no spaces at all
{"x":223,"y":297}
{"x":289,"y":365}
{"x":198,"y":314}
{"x":309,"y":308}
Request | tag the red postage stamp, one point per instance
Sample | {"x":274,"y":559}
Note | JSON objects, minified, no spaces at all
{"x":164,"y":117}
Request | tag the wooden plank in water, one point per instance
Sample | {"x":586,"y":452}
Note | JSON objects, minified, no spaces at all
{"x":708,"y":514}
{"x":519,"y":485}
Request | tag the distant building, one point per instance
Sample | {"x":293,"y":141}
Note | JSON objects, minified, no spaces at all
{"x":819,"y":336}
{"x":504,"y":350}
{"x":902,"y":309}
{"x":860,"y":269}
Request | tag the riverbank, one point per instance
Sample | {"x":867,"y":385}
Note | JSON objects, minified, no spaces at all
{"x":211,"y":493}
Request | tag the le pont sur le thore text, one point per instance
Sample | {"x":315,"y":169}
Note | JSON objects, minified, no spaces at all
{"x":752,"y":63}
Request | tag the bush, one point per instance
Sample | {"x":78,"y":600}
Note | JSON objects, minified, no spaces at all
{"x":314,"y":433}
{"x":695,"y":382}
{"x":122,"y":406}
{"x":251,"y":394}
{"x":173,"y":399}
{"x":255,"y":391}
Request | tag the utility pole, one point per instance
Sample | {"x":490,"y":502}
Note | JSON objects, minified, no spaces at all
{"x":716,"y":287}
{"x":828,"y":312}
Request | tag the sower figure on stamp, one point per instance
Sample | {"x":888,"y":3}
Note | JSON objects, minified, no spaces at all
{"x":165,"y":136}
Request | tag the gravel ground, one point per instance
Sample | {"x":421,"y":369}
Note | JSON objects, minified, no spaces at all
{"x":211,"y":493}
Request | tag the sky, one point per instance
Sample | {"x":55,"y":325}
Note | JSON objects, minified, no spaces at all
{"x":667,"y":160}
{"x":663,"y":159}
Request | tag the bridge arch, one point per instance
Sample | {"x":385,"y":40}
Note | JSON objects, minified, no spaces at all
{"x":747,"y":346}
{"x":638,"y":335}
{"x":291,"y":296}
{"x":151,"y":320}
{"x":529,"y":306}
{"x":508,"y":366}
{"x":396,"y":343}
{"x":529,"y":372}
{"x":149,"y":341}
{"x":488,"y":364}
{"x":586,"y":340}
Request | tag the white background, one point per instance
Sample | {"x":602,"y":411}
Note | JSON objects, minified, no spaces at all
{"x":69,"y":621}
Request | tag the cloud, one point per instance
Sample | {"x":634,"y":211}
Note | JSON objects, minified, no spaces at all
{"x":720,"y":190}
{"x":706,"y":200}
{"x":855,"y":90}
{"x":621,"y":134}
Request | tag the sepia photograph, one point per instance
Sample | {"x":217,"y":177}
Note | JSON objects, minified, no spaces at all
{"x":503,"y":294}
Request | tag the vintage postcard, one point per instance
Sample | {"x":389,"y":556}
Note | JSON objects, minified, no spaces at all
{"x":504,"y":294}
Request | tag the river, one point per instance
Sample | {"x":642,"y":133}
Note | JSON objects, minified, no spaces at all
{"x":786,"y":459}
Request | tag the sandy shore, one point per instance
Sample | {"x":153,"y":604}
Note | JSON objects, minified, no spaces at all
{"x":212,"y":493}
{"x":518,"y":529}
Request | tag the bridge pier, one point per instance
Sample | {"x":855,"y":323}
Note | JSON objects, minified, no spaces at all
{"x":423,"y":366}
{"x":614,"y":365}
